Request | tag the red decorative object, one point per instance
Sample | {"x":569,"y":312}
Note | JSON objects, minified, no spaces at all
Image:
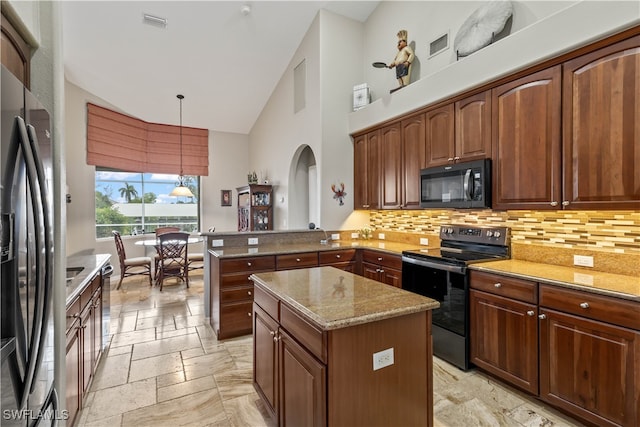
{"x":340,"y":194}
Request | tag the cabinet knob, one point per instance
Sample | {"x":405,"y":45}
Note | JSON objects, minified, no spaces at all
{"x":381,"y":271}
{"x":379,"y":258}
{"x":497,"y":285}
{"x":584,"y":305}
{"x":456,"y":158}
{"x":542,"y":316}
{"x":450,"y":159}
{"x":530,"y":313}
{"x":565,"y":203}
{"x":248,"y":292}
{"x":297,"y":259}
{"x":554,"y":203}
{"x":272,"y":333}
{"x":338,"y":256}
{"x":248,"y":264}
{"x":249,"y":314}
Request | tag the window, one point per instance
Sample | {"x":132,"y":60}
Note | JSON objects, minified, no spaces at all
{"x":135,"y":203}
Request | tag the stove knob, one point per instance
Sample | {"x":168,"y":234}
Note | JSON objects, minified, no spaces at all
{"x":496,"y":234}
{"x":450,"y":230}
{"x":489,"y":233}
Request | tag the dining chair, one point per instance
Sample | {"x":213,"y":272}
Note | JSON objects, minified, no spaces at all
{"x":138,"y":266}
{"x":159,"y":231}
{"x":196,"y":261}
{"x":172,"y":249}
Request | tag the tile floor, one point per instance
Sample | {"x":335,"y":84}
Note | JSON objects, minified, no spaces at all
{"x":165,"y":367}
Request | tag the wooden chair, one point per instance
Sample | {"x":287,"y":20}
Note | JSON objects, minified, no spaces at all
{"x":138,"y":266}
{"x":159,"y":231}
{"x":196,"y":261}
{"x":172,"y":248}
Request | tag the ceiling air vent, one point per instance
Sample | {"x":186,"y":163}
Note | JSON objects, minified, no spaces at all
{"x":438,"y":45}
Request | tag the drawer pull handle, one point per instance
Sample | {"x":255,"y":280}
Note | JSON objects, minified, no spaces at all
{"x":338,"y":256}
{"x":530,"y":313}
{"x":248,"y":292}
{"x":554,"y":203}
{"x":542,"y":316}
{"x":249,"y":314}
{"x":272,"y":333}
{"x":381,"y":271}
{"x":297,"y":259}
{"x":584,"y":305}
{"x":497,"y":285}
{"x":248,"y":264}
{"x":379,"y":258}
{"x":74,"y":316}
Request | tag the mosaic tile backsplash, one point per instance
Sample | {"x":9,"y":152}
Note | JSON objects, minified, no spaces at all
{"x":604,"y":231}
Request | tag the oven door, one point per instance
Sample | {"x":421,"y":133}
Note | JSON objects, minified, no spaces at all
{"x":449,"y":285}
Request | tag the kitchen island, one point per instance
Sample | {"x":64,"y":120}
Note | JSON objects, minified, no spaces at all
{"x":333,"y":348}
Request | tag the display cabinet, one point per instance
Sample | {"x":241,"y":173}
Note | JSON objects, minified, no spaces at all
{"x":255,"y":209}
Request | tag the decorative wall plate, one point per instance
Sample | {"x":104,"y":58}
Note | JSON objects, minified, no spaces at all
{"x":479,"y":28}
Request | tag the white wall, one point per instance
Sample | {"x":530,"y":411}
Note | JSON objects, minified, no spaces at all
{"x":540,"y":30}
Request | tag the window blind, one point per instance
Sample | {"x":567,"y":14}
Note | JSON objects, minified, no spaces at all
{"x":118,"y":141}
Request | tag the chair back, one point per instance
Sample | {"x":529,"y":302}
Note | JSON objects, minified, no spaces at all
{"x":163,"y":230}
{"x":122,"y":256}
{"x":172,"y":248}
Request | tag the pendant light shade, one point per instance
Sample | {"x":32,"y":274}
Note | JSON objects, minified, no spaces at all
{"x":181,"y":189}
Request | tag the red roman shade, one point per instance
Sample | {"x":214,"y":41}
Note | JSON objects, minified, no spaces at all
{"x":122,"y":142}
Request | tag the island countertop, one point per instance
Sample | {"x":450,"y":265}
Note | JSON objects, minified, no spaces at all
{"x":332,"y":299}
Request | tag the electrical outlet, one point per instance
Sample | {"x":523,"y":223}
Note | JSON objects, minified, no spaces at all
{"x":583,"y":260}
{"x":217,"y":243}
{"x":335,"y":236}
{"x":424,"y":241}
{"x":382,"y":359}
{"x":354,"y":235}
{"x":381,"y":236}
{"x":253,"y":240}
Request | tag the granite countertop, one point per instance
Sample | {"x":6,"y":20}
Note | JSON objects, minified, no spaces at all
{"x":275,"y":249}
{"x":333,"y":299}
{"x":616,"y":285}
{"x":90,"y":264}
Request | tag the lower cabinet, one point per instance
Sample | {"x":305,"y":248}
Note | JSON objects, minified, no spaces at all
{"x":383,"y":267}
{"x":344,"y":259}
{"x":83,"y":344}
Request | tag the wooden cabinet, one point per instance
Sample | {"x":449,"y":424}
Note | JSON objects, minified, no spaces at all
{"x":414,"y":158}
{"x":473,"y":127}
{"x":232,"y":293}
{"x":289,"y":378}
{"x":590,"y":355}
{"x":297,"y":260}
{"x":83,"y":344}
{"x":526,"y":142}
{"x":255,"y":208}
{"x":15,"y":52}
{"x":601,"y":94}
{"x":391,"y":167}
{"x":344,"y":259}
{"x":366,"y":171}
{"x":440,"y":137}
{"x":383,"y":267}
{"x":504,"y":328}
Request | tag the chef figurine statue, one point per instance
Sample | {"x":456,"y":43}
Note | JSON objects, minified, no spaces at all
{"x":402,"y":61}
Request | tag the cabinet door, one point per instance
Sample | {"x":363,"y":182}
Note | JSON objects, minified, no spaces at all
{"x":414,"y":158}
{"x":265,"y":358}
{"x":439,"y":133}
{"x":97,"y":328}
{"x":391,"y":276}
{"x":391,"y":164}
{"x":370,"y":271}
{"x":366,"y":171}
{"x":87,"y":326}
{"x":504,"y":339}
{"x":590,"y":368}
{"x":302,"y":380}
{"x":73,"y":365}
{"x":601,"y":95}
{"x":526,"y":142}
{"x":473,"y":127}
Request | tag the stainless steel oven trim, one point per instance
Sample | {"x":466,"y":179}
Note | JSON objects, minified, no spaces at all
{"x":435,"y":264}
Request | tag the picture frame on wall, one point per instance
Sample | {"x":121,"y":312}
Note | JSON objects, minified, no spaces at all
{"x":225,"y":197}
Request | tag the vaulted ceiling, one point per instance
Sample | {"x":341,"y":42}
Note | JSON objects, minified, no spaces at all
{"x":225,"y":57}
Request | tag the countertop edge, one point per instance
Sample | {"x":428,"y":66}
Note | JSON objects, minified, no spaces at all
{"x":92,"y":264}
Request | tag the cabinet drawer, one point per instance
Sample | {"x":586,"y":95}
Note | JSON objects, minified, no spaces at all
{"x":243,"y":293}
{"x":598,"y":307}
{"x":235,"y":280}
{"x":383,"y":259}
{"x":249,"y":264}
{"x":237,"y":316}
{"x":307,"y":334}
{"x":267,"y":302}
{"x":523,"y":290}
{"x":332,"y":257}
{"x":301,"y":260}
{"x":73,"y":313}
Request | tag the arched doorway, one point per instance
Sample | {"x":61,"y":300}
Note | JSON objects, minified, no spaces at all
{"x":304,"y":205}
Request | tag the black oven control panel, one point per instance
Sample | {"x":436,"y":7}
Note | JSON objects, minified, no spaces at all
{"x":475,"y":234}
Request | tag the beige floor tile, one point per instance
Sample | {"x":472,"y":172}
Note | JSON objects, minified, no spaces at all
{"x":152,"y":367}
{"x":173,"y":332}
{"x":152,"y":322}
{"x":166,"y":345}
{"x":113,"y":371}
{"x":235,"y":383}
{"x":117,"y":400}
{"x":133,"y":337}
{"x":209,"y":364}
{"x":170,"y":379}
{"x":247,"y":410}
{"x":185,"y":388}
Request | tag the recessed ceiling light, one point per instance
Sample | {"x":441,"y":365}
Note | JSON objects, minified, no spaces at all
{"x":156,"y":21}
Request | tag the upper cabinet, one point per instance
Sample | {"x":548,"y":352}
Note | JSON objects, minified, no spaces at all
{"x":414,"y":158}
{"x":526,"y":142}
{"x":439,"y":134}
{"x":601,"y":119}
{"x":473,"y":127}
{"x":391,"y":164}
{"x":15,"y":52}
{"x":366,"y":171}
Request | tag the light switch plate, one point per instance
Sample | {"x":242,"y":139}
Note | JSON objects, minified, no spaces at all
{"x":216,"y":243}
{"x":253,"y":240}
{"x":583,"y":260}
{"x":335,"y":236}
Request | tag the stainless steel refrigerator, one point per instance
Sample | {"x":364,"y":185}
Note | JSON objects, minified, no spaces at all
{"x":29,"y":397}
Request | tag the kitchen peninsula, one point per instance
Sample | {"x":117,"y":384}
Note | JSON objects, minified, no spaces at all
{"x":334,"y":348}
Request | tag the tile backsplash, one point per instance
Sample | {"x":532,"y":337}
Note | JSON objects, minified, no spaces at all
{"x":604,"y":231}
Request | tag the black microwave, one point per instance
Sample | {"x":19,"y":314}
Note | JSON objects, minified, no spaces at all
{"x":462,"y":185}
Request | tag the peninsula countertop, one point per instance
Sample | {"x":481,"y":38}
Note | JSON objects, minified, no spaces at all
{"x":88,"y":266}
{"x":331,"y":298}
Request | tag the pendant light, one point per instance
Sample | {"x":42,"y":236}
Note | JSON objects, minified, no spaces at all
{"x":181,"y":189}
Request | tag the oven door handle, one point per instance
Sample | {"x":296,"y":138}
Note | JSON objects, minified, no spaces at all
{"x":435,"y":265}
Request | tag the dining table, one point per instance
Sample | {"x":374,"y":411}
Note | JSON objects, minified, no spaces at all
{"x":150,"y":244}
